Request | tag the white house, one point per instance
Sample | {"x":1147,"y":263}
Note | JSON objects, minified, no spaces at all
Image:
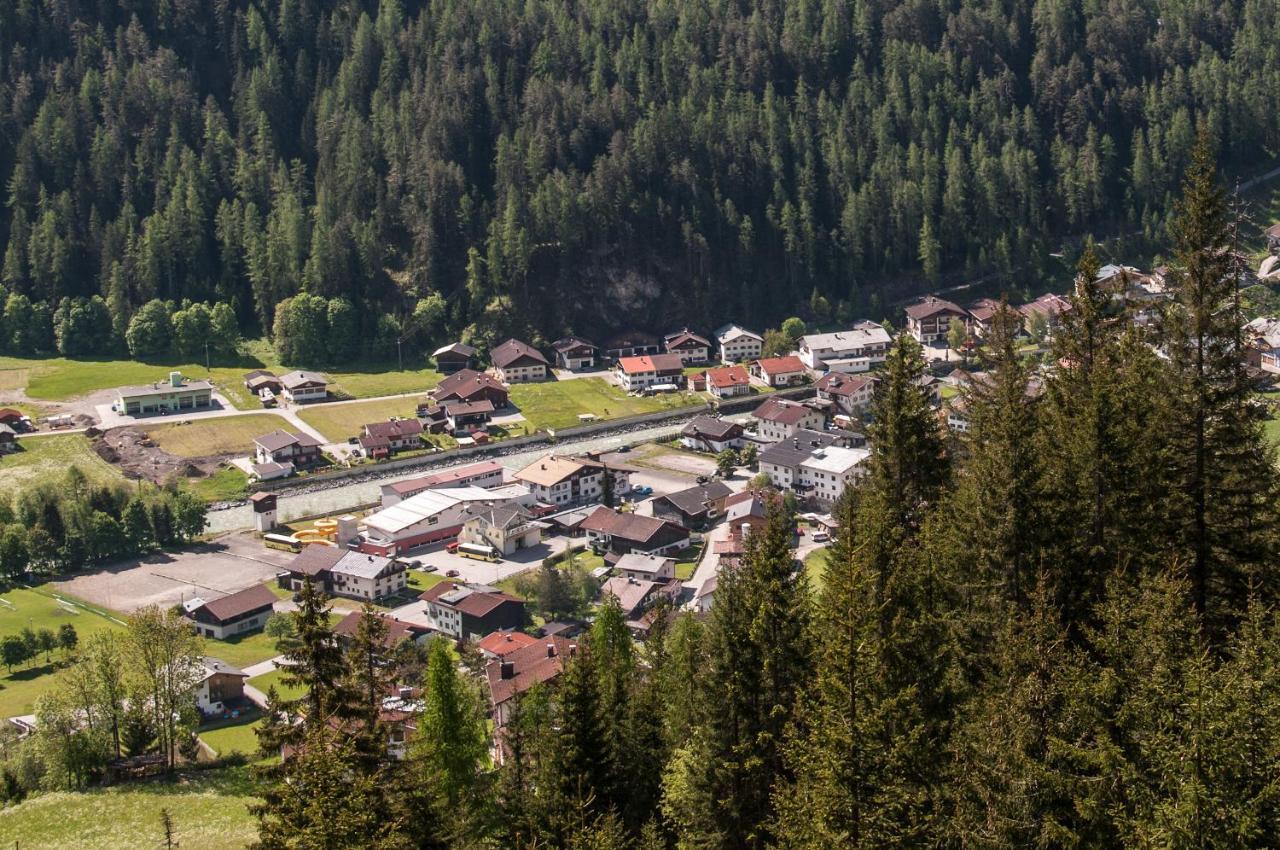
{"x":856,"y":350}
{"x":638,"y":373}
{"x":556,"y":480}
{"x":300,"y":387}
{"x":737,"y":344}
{"x":778,"y":419}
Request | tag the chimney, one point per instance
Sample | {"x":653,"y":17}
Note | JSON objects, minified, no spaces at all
{"x":508,"y":669}
{"x":551,"y":649}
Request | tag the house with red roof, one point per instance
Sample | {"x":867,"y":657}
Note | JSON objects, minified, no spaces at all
{"x":638,"y":373}
{"x":725,"y":381}
{"x":786,"y":371}
{"x":496,"y":646}
{"x":779,"y":419}
{"x":518,"y":671}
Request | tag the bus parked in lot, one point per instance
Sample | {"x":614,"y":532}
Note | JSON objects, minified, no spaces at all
{"x":478,"y":552}
{"x":285,"y":542}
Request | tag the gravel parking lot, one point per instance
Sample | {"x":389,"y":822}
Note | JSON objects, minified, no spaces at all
{"x":209,"y":571}
{"x":484,"y":572}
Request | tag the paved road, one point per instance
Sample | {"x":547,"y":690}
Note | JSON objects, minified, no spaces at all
{"x":354,"y":495}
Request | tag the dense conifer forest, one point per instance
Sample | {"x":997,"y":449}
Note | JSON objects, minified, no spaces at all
{"x":484,"y":168}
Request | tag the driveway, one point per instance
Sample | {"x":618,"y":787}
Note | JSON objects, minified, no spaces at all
{"x":484,"y":572}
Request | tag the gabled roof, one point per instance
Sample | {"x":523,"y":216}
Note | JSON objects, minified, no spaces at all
{"x":652,"y":363}
{"x":637,"y":562}
{"x":782,"y":411}
{"x":836,"y":383}
{"x":505,"y":518}
{"x":216,"y":666}
{"x":240,"y":603}
{"x":711,"y":427}
{"x":728,"y":333}
{"x":569,"y":343}
{"x":796,"y":450}
{"x":780,"y":365}
{"x":540,"y":662}
{"x":394,"y":428}
{"x":631,"y":593}
{"x":932,"y":306}
{"x":465,"y":383}
{"x":861,"y":335}
{"x":692,"y":501}
{"x":633,"y":527}
{"x":456,"y":348}
{"x":552,"y":469}
{"x":363,"y":565}
{"x":512,"y":351}
{"x":685,"y":338}
{"x":315,"y":559}
{"x":439,"y":479}
{"x":984,"y":309}
{"x":298,"y":378}
{"x":504,"y":643}
{"x":281,"y":439}
{"x":467,"y":408}
{"x":1047,"y":305}
{"x":398,"y":631}
{"x":724,"y":377}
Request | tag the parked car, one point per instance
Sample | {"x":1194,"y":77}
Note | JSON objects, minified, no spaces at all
{"x":452,"y":574}
{"x":428,"y":568}
{"x":821,"y":537}
{"x":642,"y":490}
{"x":623,"y":449}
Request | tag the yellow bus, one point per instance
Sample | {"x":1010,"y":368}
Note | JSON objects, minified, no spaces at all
{"x":478,"y":552}
{"x":285,"y":542}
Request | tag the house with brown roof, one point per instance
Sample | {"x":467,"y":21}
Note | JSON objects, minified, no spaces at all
{"x":1044,"y":311}
{"x":694,"y":507}
{"x":344,"y":572}
{"x":235,"y":614}
{"x":725,"y":381}
{"x":638,"y":373}
{"x":786,"y":371}
{"x":779,"y":419}
{"x":618,"y":534}
{"x":467,"y":416}
{"x":468,"y":612}
{"x":467,"y":385}
{"x":301,"y":387}
{"x":930,"y":319}
{"x":562,"y":481}
{"x":519,"y":671}
{"x":220,"y":688}
{"x":259,"y":380}
{"x":694,"y":350}
{"x":517,"y":362}
{"x":849,"y":394}
{"x":277,"y":454}
{"x":981,"y":313}
{"x":383,"y":439}
{"x":453,"y":357}
{"x":574,"y":353}
{"x":710,"y":434}
{"x":633,"y":594}
{"x":398,"y":631}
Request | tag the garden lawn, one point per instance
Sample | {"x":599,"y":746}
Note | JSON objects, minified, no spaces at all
{"x":223,"y":435}
{"x":51,"y":456}
{"x":337,"y":422}
{"x":420,"y":581}
{"x":242,"y":650}
{"x":237,"y":737}
{"x":209,"y":811}
{"x":815,"y":568}
{"x":556,"y":404}
{"x":228,"y":484}
{"x":24,"y":607}
{"x":275,"y":678}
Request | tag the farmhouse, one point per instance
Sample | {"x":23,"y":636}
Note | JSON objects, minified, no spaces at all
{"x":856,"y":350}
{"x":469,"y":385}
{"x":484,"y":474}
{"x":574,"y":353}
{"x":453,"y":357}
{"x":219,"y":685}
{"x":638,"y":373}
{"x":235,"y":614}
{"x":709,"y":434}
{"x":383,"y":439}
{"x":929,"y":320}
{"x":727,"y":381}
{"x":737,"y":344}
{"x":621,"y":534}
{"x":171,"y":396}
{"x":343,"y":572}
{"x":778,"y":419}
{"x":469,"y":612}
{"x":693,"y":349}
{"x":779,"y":371}
{"x":281,"y":447}
{"x":300,"y":387}
{"x":564,"y":481}
{"x":517,"y":362}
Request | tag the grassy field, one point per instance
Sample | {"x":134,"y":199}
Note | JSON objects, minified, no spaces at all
{"x":209,"y":812}
{"x":815,"y":567}
{"x":226,"y":485}
{"x":223,"y":435}
{"x":52,"y":455}
{"x":242,"y":650}
{"x":20,"y":608}
{"x":239,"y":737}
{"x":424,"y":581}
{"x":340,"y":421}
{"x":556,"y":404}
{"x":275,"y":678}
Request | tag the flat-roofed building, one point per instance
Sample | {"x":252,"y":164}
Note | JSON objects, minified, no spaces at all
{"x":484,"y":474}
{"x":175,"y":395}
{"x":433,"y":515}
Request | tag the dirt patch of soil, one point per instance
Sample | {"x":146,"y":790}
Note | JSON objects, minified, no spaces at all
{"x":131,"y":450}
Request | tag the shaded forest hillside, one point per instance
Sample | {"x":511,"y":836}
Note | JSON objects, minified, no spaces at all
{"x":485,"y":167}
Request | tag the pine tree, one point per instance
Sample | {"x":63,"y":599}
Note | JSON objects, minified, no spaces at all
{"x":316,"y":663}
{"x":1224,"y":487}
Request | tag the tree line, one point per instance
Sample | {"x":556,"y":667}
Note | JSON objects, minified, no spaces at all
{"x":1056,"y":629}
{"x":71,"y":523}
{"x":492,"y":169}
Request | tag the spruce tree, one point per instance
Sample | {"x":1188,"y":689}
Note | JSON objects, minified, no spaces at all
{"x":1222,"y":505}
{"x":315,"y":662}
